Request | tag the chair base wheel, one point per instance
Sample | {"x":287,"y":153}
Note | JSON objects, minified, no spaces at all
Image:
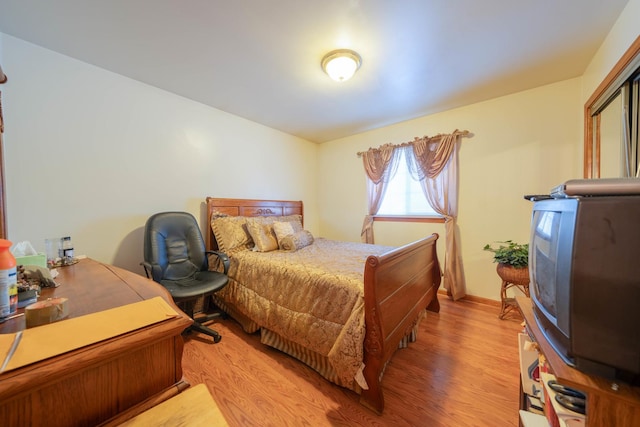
{"x":198,"y":327}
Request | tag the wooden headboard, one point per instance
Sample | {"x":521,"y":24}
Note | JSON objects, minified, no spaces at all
{"x":248,"y":207}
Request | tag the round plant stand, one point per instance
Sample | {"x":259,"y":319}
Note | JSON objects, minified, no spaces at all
{"x":511,"y":278}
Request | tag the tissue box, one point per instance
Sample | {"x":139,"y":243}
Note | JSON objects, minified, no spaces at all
{"x":40,"y":260}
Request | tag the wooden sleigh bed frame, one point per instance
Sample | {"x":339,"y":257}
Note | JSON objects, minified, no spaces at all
{"x":398,"y":286}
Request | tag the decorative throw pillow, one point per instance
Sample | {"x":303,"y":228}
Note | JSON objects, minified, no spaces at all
{"x":296,"y":241}
{"x":295,"y":220}
{"x":230,"y":233}
{"x":282,"y":229}
{"x":262,"y":235}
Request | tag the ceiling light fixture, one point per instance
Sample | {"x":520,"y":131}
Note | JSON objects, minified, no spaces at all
{"x":341,"y":64}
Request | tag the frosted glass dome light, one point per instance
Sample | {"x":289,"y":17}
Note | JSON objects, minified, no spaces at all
{"x":341,"y":64}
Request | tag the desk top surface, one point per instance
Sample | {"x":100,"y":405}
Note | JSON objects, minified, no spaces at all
{"x":91,"y":286}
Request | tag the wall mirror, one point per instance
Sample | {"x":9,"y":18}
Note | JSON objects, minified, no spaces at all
{"x":612,"y":118}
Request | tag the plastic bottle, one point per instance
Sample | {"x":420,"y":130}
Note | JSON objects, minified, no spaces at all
{"x":8,"y":280}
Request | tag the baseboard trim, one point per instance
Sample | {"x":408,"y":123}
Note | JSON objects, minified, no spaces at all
{"x":473,"y":299}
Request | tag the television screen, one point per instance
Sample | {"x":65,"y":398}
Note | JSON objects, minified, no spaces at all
{"x":550,"y":263}
{"x":543,"y":249}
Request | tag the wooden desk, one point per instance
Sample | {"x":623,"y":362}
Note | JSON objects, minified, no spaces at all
{"x":607,"y":404}
{"x":95,"y":383}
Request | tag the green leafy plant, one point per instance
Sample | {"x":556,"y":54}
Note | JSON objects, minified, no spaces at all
{"x":510,"y":253}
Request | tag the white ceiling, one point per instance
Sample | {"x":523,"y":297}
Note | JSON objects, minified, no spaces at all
{"x":260,"y":59}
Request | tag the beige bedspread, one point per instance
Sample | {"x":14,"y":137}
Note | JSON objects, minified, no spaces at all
{"x":313,"y":297}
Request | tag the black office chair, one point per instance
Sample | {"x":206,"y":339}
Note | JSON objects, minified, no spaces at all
{"x":175,"y":257}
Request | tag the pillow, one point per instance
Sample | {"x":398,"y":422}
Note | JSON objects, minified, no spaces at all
{"x":262,"y":235}
{"x":282,"y":229}
{"x":230,"y":233}
{"x":295,"y":220}
{"x":296,"y":241}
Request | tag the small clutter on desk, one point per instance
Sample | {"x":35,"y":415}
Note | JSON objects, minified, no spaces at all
{"x":32,"y":273}
{"x":44,"y":312}
{"x":30,"y":281}
{"x":59,"y":252}
{"x":27,"y":297}
{"x":25,"y":254}
{"x":35,"y":277}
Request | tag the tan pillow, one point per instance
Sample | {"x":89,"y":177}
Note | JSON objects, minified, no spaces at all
{"x":282,"y":229}
{"x":295,"y":241}
{"x":231,"y":233}
{"x":262,"y":235}
{"x":295,"y":220}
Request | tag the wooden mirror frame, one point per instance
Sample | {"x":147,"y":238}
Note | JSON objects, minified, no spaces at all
{"x":591,"y":166}
{"x":3,"y":213}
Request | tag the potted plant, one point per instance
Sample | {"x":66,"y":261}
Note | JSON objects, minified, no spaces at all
{"x":513,"y":261}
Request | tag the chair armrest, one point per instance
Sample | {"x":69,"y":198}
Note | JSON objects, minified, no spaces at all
{"x":223,"y":257}
{"x":147,"y":268}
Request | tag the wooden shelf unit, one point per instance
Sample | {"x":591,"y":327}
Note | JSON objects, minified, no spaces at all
{"x":609,"y":403}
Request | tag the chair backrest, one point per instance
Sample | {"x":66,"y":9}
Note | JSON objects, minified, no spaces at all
{"x":174,"y":246}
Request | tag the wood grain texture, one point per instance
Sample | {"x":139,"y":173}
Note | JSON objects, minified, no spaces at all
{"x":606,"y":405}
{"x":91,"y":384}
{"x":398,"y":286}
{"x":462,"y":371}
{"x":193,"y":407}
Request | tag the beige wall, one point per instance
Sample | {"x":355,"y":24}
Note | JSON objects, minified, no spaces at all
{"x":521,"y":144}
{"x":91,"y":154}
{"x":622,"y":35}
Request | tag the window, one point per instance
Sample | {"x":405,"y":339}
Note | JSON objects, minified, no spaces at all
{"x":404,"y":195}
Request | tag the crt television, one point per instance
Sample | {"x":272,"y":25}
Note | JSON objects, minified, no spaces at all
{"x":584,"y":261}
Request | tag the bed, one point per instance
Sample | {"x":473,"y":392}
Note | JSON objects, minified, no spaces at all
{"x":344,"y":316}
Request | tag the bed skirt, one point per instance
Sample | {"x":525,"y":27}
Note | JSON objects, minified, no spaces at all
{"x":314,"y":360}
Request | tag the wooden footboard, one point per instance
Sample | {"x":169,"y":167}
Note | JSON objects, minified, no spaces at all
{"x":397,"y":287}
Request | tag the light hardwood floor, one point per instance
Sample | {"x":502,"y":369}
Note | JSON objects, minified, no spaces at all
{"x":462,"y":371}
